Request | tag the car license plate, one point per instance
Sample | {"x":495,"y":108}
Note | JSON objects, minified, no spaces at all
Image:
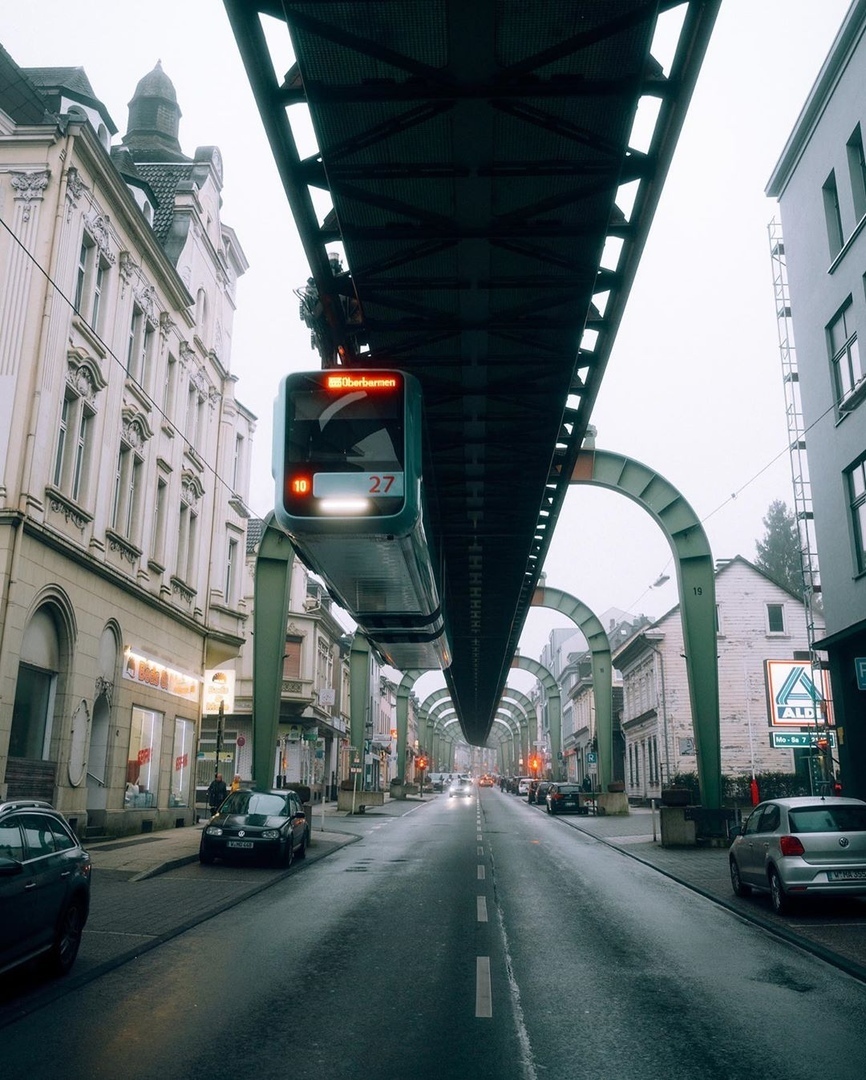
{"x":239,"y":843}
{"x":846,"y":875}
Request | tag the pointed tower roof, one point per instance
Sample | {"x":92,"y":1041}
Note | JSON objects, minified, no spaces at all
{"x":154,"y":119}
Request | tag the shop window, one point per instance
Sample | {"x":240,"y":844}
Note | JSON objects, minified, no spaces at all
{"x":142,"y":766}
{"x":183,"y":760}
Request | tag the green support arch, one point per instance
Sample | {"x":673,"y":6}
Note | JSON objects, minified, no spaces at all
{"x":554,"y":701}
{"x":521,"y":722}
{"x":697,"y":589}
{"x":270,"y":615}
{"x":530,"y":721}
{"x":602,"y":674}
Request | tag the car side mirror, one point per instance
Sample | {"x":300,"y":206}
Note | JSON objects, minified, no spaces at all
{"x":735,"y":830}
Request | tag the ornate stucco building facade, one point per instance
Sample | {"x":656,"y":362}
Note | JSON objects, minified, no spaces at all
{"x":124,"y":454}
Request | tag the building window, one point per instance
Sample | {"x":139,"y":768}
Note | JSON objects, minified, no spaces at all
{"x":856,"y":479}
{"x":128,"y":478}
{"x":72,"y":456}
{"x":231,"y":572}
{"x":832,"y":215}
{"x":157,"y":540}
{"x":844,"y":353}
{"x":292,"y":658}
{"x":195,"y":402}
{"x":236,"y":464}
{"x":169,"y":388}
{"x":139,"y":353}
{"x":91,"y":276}
{"x":775,"y":618}
{"x":857,"y":172}
{"x":187,"y":544}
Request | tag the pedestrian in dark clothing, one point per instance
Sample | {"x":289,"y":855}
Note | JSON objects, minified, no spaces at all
{"x":216,"y":792}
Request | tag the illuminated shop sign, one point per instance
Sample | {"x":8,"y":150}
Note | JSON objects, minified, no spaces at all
{"x":797,"y":695}
{"x":146,"y":671}
{"x":219,"y":687}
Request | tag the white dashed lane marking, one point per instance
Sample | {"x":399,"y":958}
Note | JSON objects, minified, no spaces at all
{"x":483,"y":993}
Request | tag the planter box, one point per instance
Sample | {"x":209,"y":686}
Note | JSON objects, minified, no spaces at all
{"x":675,"y":796}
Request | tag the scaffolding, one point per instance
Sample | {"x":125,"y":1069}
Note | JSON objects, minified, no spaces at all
{"x":821,"y":771}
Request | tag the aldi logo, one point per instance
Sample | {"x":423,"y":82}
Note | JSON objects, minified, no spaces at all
{"x":794,"y":698}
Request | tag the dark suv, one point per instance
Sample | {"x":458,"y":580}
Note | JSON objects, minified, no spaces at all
{"x":44,"y":885}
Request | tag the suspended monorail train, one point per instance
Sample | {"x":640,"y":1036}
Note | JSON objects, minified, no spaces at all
{"x":349,"y":494}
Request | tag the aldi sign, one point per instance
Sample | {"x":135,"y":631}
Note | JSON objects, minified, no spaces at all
{"x":794,"y":699}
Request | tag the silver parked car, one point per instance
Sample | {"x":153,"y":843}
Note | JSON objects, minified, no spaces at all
{"x":801,"y":847}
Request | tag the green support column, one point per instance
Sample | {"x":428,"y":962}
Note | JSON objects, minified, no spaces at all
{"x":270,"y":615}
{"x":359,"y":688}
{"x":697,"y":588}
{"x":602,"y":674}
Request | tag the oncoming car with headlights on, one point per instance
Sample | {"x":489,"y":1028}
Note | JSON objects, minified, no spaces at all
{"x":253,"y":825}
{"x":801,"y":847}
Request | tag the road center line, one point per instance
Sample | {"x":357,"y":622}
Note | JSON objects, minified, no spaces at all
{"x":480,"y":871}
{"x":481,"y":908}
{"x":483,"y":993}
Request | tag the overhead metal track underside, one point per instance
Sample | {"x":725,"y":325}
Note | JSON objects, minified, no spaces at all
{"x":474,"y":151}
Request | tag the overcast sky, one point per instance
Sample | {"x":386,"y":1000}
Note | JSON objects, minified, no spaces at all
{"x":693,"y":388}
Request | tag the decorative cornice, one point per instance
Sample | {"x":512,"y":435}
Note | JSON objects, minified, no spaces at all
{"x":182,"y":589}
{"x":58,"y":503}
{"x":122,"y":547}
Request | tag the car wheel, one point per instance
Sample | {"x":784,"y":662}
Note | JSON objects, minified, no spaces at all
{"x":288,"y":853}
{"x":204,"y":856}
{"x":736,"y":881}
{"x":67,"y":938}
{"x":778,"y":897}
{"x":302,"y":850}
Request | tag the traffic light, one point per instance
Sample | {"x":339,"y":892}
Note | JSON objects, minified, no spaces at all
{"x":421,"y":763}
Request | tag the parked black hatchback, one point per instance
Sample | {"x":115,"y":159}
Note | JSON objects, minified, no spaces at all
{"x":257,"y":825}
{"x":44,"y":886}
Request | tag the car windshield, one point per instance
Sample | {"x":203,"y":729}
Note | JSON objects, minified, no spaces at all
{"x":567,"y":788}
{"x":823,"y":818}
{"x":255,"y":802}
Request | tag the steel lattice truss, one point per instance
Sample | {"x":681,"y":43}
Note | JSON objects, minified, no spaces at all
{"x":473,"y":150}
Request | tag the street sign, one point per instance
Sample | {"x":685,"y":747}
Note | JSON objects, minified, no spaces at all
{"x":798,"y":739}
{"x":860,"y":668}
{"x":591,"y":757}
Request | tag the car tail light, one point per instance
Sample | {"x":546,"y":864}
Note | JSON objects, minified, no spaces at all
{"x":557,"y":794}
{"x":791,"y":845}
